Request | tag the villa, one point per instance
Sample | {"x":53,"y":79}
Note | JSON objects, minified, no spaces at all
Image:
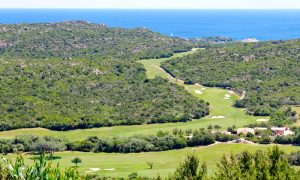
{"x":282,"y":131}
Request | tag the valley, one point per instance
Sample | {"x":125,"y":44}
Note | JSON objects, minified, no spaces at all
{"x":219,"y":107}
{"x":127,"y":101}
{"x":222,"y":112}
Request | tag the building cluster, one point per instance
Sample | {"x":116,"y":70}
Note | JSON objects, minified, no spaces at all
{"x":278,"y":131}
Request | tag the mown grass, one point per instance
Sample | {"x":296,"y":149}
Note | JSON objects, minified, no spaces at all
{"x":164,"y":162}
{"x":215,"y":96}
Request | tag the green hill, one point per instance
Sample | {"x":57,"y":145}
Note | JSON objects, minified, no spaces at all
{"x":82,"y":39}
{"x":267,"y":71}
{"x":80,"y":75}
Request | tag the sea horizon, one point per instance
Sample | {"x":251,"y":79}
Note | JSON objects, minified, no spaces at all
{"x":263,"y":24}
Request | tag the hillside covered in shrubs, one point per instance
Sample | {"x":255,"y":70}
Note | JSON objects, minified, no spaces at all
{"x":269,"y":72}
{"x":81,"y":39}
{"x":71,"y":75}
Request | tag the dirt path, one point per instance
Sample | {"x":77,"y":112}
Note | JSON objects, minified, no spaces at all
{"x":170,"y":77}
{"x":243,"y":95}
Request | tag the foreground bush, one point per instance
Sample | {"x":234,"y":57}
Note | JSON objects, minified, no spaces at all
{"x":39,"y":170}
{"x":272,"y":164}
{"x":190,"y":169}
{"x":260,"y":165}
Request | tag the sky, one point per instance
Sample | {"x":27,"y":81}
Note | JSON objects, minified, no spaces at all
{"x":153,"y":4}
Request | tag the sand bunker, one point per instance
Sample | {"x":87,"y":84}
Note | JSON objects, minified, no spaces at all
{"x":198,"y":92}
{"x":227,"y":96}
{"x":218,"y":117}
{"x":262,"y":120}
{"x":111,"y":169}
{"x":98,"y":169}
{"x":93,"y":170}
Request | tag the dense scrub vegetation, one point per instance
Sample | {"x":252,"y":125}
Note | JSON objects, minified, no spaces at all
{"x":284,"y":117}
{"x":34,"y":144}
{"x":178,"y":139}
{"x":163,"y":141}
{"x":81,"y":39}
{"x":83,"y":93}
{"x":71,"y":75}
{"x":267,"y":71}
{"x":145,"y":143}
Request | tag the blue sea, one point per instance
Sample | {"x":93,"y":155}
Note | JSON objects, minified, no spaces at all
{"x":237,"y":24}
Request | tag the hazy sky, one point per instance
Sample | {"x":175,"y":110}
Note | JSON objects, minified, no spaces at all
{"x":153,"y":4}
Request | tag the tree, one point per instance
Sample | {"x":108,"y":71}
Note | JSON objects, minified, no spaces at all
{"x":231,"y":129}
{"x":201,"y":139}
{"x":48,"y":147}
{"x":227,"y":169}
{"x":150,"y":164}
{"x":190,"y":169}
{"x":260,"y":165}
{"x":217,"y":127}
{"x":279,"y":119}
{"x":210,"y":127}
{"x":76,"y":161}
{"x":265,"y":139}
{"x":5,"y":149}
